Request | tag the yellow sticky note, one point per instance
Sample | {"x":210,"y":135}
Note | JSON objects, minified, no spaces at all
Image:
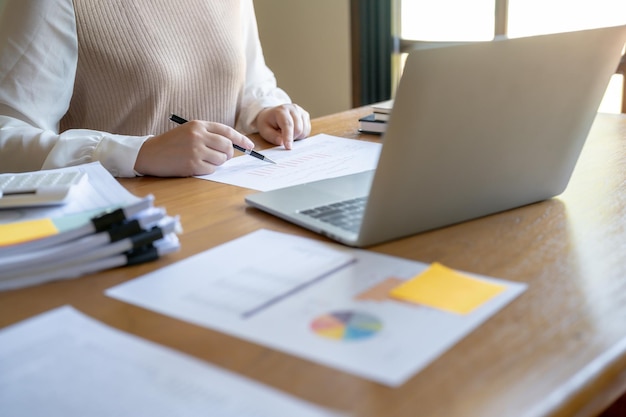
{"x":20,"y":232}
{"x":444,"y":288}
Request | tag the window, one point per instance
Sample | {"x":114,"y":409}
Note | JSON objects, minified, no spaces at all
{"x":476,"y":20}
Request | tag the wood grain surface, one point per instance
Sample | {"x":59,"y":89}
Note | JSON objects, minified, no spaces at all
{"x":557,"y":350}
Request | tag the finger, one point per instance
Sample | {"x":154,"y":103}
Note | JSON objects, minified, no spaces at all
{"x":303,"y":123}
{"x":215,"y":157}
{"x":307,"y":124}
{"x":230,"y":135}
{"x":286,"y":121}
{"x":204,"y":168}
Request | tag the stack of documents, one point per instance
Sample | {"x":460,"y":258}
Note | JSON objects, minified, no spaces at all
{"x":130,"y":235}
{"x":45,"y":245}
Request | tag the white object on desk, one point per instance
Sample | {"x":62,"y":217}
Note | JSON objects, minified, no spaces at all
{"x":63,"y":363}
{"x":100,"y":191}
{"x":315,"y":158}
{"x":39,"y":188}
{"x":215,"y":288}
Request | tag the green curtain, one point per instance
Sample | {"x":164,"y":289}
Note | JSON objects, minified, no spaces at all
{"x":373,"y":46}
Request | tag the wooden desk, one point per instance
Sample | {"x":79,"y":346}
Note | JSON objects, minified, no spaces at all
{"x":557,"y":350}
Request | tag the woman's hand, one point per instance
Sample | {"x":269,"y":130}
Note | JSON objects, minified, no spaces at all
{"x":283,"y":124}
{"x":194,"y":148}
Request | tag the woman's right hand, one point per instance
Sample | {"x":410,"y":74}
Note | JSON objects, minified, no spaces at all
{"x":194,"y":148}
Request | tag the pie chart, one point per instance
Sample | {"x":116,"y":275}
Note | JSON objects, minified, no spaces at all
{"x":346,"y":325}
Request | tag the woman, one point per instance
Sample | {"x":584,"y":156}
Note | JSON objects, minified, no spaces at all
{"x":84,"y":81}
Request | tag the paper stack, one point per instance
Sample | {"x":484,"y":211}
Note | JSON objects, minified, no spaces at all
{"x":136,"y":233}
{"x":99,"y":226}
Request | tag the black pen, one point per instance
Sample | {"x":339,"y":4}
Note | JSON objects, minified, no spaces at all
{"x":180,"y":121}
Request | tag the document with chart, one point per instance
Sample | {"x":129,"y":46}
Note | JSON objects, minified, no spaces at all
{"x":315,"y":158}
{"x":376,"y":316}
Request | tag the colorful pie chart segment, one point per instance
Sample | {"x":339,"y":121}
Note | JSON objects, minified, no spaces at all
{"x":346,"y":325}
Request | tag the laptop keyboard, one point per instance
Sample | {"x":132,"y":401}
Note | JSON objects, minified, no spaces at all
{"x":345,"y":214}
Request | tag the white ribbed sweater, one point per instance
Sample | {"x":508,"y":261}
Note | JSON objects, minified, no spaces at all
{"x":140,"y":60}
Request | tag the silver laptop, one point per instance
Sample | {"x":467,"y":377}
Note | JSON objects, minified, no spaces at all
{"x":475,"y":129}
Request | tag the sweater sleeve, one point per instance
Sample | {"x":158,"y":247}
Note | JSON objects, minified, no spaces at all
{"x":260,"y":89}
{"x":38,"y":59}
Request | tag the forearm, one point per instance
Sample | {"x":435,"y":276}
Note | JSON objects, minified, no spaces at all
{"x":24,"y":147}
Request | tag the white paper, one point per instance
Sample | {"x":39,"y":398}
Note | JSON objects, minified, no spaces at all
{"x":101,"y":191}
{"x":409,"y":337}
{"x":315,"y":158}
{"x":63,"y":363}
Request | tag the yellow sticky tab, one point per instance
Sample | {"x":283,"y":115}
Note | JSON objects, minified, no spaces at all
{"x":444,"y":288}
{"x":20,"y":232}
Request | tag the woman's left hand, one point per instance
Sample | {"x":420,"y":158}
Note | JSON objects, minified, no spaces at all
{"x":283,"y":124}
